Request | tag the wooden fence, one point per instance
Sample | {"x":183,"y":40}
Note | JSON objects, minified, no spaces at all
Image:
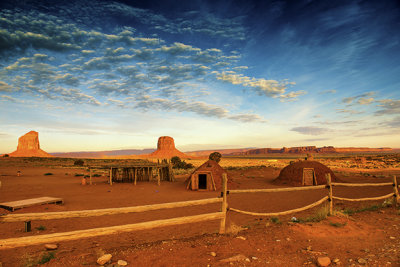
{"x":330,"y":197}
{"x":56,"y":237}
{"x":221,"y":215}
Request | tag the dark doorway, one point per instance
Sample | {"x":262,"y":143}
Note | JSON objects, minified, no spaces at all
{"x":202,"y":181}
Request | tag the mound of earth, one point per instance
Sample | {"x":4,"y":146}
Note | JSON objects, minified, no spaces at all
{"x":166,"y":149}
{"x":28,"y":146}
{"x":293,"y":173}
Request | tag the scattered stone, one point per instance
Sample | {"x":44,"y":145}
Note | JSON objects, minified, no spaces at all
{"x":362,"y":261}
{"x":50,"y":246}
{"x":323,"y":261}
{"x":254,"y":258}
{"x":241,"y":237}
{"x":213,"y":254}
{"x":336,"y":260}
{"x":309,"y":248}
{"x":392,"y":237}
{"x":248,"y":260}
{"x":288,"y":239}
{"x":122,"y":263}
{"x":239,"y":257}
{"x":104,"y":259}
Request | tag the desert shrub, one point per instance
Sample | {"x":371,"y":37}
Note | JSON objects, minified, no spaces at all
{"x":362,"y":209}
{"x":175,"y":160}
{"x":318,"y":216}
{"x":338,"y":225}
{"x":46,"y":257}
{"x":41,"y":228}
{"x":275,"y":220}
{"x":215,"y":156}
{"x":79,"y":162}
{"x":79,"y":174}
{"x":96,"y":175}
{"x":177,"y":163}
{"x":48,"y":173}
{"x":6,"y":155}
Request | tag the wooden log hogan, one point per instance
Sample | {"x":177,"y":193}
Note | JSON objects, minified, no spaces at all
{"x":138,"y":172}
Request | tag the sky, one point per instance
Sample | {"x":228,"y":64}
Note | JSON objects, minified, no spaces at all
{"x":105,"y":75}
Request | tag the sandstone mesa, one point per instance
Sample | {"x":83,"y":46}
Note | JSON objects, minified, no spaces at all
{"x":28,"y":146}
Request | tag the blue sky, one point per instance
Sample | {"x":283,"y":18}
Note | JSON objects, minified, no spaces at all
{"x":102,"y":75}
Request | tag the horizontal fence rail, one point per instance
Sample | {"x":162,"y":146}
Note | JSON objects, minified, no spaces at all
{"x":364,"y":199}
{"x":322,"y":200}
{"x":364,"y":184}
{"x":101,"y":212}
{"x":74,"y":235}
{"x":270,"y":190}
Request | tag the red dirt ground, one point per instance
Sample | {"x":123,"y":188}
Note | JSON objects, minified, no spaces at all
{"x":366,"y":235}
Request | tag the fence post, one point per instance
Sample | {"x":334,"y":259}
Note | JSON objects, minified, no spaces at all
{"x":111,"y":172}
{"x":396,"y":191}
{"x":224,"y":204}
{"x":330,"y":194}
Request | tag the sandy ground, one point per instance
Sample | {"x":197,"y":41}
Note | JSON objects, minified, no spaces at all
{"x":371,"y":235}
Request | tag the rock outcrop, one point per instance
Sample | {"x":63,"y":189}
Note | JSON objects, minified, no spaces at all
{"x":311,"y":149}
{"x":28,"y":146}
{"x":166,"y":149}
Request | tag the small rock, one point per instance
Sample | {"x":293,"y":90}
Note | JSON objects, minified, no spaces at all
{"x":309,"y":248}
{"x":254,"y":258}
{"x":51,"y":246}
{"x":213,"y":254}
{"x":336,"y":260}
{"x":122,"y":263}
{"x":104,"y":259}
{"x":288,"y":239}
{"x":239,"y":257}
{"x":392,"y":237}
{"x":247,"y":259}
{"x":362,"y":261}
{"x":323,"y":261}
{"x":241,"y":237}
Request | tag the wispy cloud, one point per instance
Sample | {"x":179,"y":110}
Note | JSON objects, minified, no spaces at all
{"x":388,"y":106}
{"x":263,"y":87}
{"x":310,"y":130}
{"x":328,"y":92}
{"x":362,"y":99}
{"x":348,"y":111}
{"x":4,"y":87}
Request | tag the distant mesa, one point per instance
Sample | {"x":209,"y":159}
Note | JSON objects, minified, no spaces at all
{"x":166,"y":149}
{"x":310,"y":149}
{"x":28,"y":146}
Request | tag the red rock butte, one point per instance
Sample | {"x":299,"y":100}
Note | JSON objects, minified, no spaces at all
{"x":28,"y":146}
{"x":166,"y":149}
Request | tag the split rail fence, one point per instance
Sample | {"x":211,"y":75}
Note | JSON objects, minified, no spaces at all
{"x":330,"y":197}
{"x":74,"y":235}
{"x":220,"y":215}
